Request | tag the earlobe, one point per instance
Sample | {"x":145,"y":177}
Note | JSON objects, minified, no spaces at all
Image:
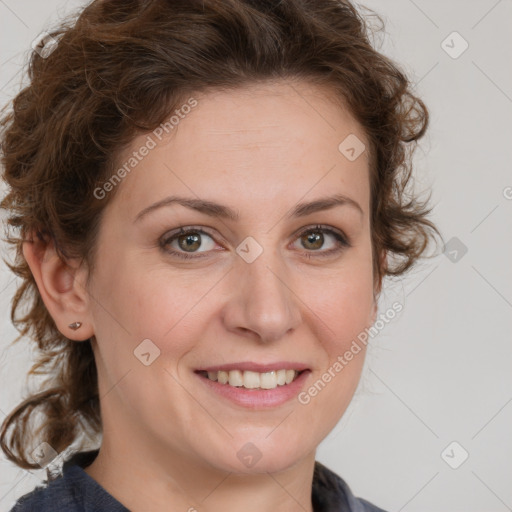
{"x":374,"y":312}
{"x":62,"y":288}
{"x":383,"y":266}
{"x":378,"y":286}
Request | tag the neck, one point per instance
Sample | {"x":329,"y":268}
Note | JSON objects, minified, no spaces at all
{"x":178,"y":481}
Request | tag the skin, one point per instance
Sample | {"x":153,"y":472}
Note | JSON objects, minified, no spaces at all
{"x":168,"y":441}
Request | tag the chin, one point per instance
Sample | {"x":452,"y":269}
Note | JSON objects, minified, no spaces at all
{"x":251,"y":455}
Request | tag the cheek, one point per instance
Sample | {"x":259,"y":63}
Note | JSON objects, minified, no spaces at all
{"x":169,"y":308}
{"x":343,"y":311}
{"x":149,"y":301}
{"x":344,"y":315}
{"x":342,"y":302}
{"x":162,"y":303}
{"x":343,"y":306}
{"x":132,"y":305}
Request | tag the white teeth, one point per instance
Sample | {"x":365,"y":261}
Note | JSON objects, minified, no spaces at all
{"x":236,"y":378}
{"x":290,"y":375}
{"x":251,"y":380}
{"x":254,"y":380}
{"x":269,"y":380}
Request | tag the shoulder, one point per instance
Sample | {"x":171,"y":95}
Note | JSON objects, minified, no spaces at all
{"x":72,"y":491}
{"x":57,"y":495}
{"x":332,"y":494}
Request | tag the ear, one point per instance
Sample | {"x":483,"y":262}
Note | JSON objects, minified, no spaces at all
{"x":374,"y":312}
{"x":62,"y":287}
{"x":378,"y":286}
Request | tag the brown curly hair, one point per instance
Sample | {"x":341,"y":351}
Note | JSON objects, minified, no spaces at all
{"x":118,"y":70}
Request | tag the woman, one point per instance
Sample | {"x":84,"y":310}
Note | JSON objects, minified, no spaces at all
{"x":204,"y":197}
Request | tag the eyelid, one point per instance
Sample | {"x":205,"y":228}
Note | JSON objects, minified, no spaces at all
{"x":324,"y":228}
{"x":170,"y":236}
{"x":343,"y":240}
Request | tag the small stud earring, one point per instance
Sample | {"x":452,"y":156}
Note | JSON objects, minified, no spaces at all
{"x":75,"y":325}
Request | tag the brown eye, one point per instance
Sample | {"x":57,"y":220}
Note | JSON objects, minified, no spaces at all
{"x":313,"y":240}
{"x":323,"y":241}
{"x":188,"y":243}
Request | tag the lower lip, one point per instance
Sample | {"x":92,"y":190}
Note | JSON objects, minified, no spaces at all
{"x":258,"y":398}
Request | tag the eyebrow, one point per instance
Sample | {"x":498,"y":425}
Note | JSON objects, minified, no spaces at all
{"x":217,"y":210}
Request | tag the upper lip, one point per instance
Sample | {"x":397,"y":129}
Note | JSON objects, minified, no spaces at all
{"x":256,"y":367}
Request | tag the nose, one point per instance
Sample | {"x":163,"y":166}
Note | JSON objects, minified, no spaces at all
{"x":262,"y":302}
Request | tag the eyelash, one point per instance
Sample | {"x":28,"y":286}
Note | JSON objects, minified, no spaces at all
{"x":343,"y":241}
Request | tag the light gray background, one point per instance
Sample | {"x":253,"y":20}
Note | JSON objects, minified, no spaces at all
{"x":441,"y":371}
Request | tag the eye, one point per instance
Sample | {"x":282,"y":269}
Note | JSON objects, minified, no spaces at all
{"x":316,"y":238}
{"x":192,"y":242}
{"x":188,"y":241}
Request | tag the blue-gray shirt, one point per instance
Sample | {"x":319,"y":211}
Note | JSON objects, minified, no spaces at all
{"x":76,"y":491}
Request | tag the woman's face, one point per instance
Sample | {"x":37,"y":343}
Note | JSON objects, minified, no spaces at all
{"x":272,"y":289}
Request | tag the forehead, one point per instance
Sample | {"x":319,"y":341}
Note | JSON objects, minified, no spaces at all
{"x":270,"y":112}
{"x":259,"y":141}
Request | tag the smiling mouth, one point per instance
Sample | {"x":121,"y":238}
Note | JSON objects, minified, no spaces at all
{"x":252,"y":380}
